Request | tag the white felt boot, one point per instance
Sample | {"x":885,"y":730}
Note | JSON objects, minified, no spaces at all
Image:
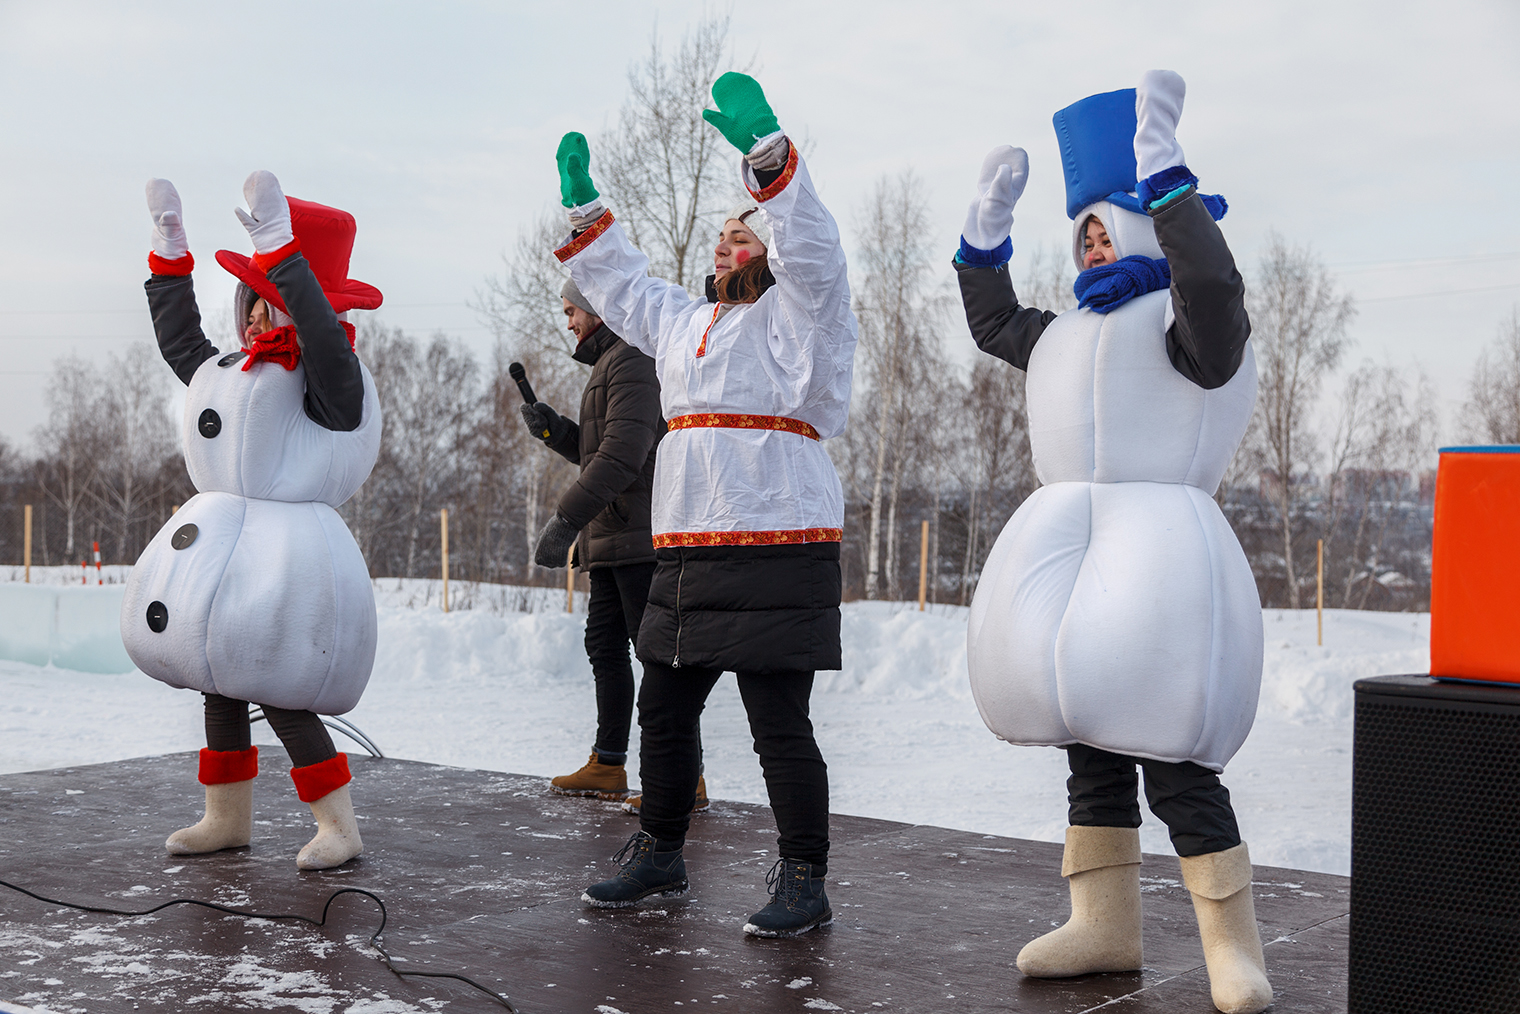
{"x":337,"y":839}
{"x":1221,"y":886}
{"x":1102,"y":867}
{"x":228,"y":822}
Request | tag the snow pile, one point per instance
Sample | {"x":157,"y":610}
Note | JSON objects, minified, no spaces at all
{"x":502,"y":683}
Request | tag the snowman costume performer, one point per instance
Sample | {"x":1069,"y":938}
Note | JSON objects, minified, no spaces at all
{"x":747,"y":508}
{"x":255,"y":590}
{"x":1116,"y":615}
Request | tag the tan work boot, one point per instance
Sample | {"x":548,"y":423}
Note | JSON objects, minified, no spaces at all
{"x":1102,"y":869}
{"x":633,"y":803}
{"x":604,"y":781}
{"x":1220,"y":883}
{"x":228,"y":822}
{"x":337,"y":839}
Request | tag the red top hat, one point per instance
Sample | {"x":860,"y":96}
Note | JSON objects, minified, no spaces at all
{"x":327,"y":239}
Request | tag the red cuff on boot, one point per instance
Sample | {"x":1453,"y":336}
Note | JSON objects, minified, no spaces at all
{"x":316,"y":780}
{"x":220,"y":767}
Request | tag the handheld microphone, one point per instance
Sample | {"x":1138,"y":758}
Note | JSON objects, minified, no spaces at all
{"x":520,"y":377}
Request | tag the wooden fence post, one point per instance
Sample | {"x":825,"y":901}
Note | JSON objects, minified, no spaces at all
{"x":923,"y":564}
{"x":1319,"y":593}
{"x":443,"y":521}
{"x":27,"y":543}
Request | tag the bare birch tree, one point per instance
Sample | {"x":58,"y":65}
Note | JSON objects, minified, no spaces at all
{"x":1491,"y":412}
{"x":902,"y":359}
{"x":664,"y":170}
{"x":1298,"y":328}
{"x":137,"y":437}
{"x":70,"y":442}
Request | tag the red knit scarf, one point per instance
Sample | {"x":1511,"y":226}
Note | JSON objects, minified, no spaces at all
{"x":280,"y":346}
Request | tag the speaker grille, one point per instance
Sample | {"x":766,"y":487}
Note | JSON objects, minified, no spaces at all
{"x":1435,"y":856}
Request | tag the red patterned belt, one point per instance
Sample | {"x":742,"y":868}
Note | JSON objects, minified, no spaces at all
{"x":776,"y":538}
{"x":719,"y":420}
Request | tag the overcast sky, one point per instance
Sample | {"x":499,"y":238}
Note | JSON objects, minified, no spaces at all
{"x":1386,"y":136}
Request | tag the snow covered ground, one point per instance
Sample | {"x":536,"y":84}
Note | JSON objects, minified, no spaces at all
{"x":502,"y":683}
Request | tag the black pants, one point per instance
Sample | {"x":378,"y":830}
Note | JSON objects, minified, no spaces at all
{"x":613,"y":615}
{"x":1187,"y":797}
{"x":670,"y":705}
{"x":302,"y":732}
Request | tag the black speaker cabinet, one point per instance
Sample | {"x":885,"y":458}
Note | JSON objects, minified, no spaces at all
{"x":1435,"y":848}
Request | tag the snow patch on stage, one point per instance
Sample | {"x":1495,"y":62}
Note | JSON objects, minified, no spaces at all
{"x":482,"y":873}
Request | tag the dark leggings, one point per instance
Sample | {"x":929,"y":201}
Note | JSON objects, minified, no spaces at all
{"x":670,"y":706}
{"x":1187,"y":797}
{"x":613,"y":615}
{"x":302,"y":732}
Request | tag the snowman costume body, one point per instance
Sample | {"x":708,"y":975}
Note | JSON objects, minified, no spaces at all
{"x":267,"y":599}
{"x":1117,"y":616}
{"x":1117,"y":608}
{"x":255,"y":590}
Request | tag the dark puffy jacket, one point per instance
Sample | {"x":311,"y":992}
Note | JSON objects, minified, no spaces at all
{"x":620,"y":427}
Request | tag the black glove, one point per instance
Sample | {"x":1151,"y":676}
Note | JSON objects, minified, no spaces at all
{"x":545,"y":423}
{"x":554,"y":541}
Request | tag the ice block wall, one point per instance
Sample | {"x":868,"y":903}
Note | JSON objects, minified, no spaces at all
{"x":70,"y":627}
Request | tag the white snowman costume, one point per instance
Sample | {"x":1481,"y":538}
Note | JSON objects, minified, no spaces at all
{"x":1117,"y":616}
{"x":262,"y":591}
{"x":255,"y":590}
{"x":1117,"y":608}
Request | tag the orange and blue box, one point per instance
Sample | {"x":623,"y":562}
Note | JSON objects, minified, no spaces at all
{"x":1475,"y":565}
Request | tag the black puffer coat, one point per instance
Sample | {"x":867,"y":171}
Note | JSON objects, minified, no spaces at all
{"x":620,"y":427}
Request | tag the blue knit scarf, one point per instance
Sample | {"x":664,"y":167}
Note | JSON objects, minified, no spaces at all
{"x":1107,"y":287}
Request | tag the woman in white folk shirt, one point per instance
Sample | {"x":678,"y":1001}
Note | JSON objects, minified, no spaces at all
{"x":748,"y":510}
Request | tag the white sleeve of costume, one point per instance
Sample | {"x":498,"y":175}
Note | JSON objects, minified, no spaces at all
{"x":805,"y":255}
{"x":614,"y":277}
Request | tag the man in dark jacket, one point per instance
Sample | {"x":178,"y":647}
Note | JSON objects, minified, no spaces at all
{"x":605,"y":513}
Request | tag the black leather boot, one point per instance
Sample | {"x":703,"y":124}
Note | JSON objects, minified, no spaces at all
{"x":798,"y":902}
{"x":644,"y":872}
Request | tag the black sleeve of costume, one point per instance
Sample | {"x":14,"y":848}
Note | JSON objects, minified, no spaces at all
{"x":765,"y":177}
{"x":629,"y":431}
{"x":568,"y":446}
{"x":177,"y":324}
{"x":334,"y":382}
{"x":999,"y":324}
{"x":1208,"y":341}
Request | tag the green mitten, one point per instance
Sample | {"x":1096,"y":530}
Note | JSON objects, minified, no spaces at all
{"x":742,"y":115}
{"x":574,"y":158}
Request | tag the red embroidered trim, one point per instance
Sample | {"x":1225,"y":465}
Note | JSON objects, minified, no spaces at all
{"x":778,"y":538}
{"x":585,"y":239}
{"x":781,"y":181}
{"x":178,"y":266}
{"x":316,"y":780}
{"x":222,"y":767}
{"x":280,"y":346}
{"x":717,"y":420}
{"x":268,"y":260}
{"x":702,"y":348}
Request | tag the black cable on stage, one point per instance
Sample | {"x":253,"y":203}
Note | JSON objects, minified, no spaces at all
{"x":374,"y":938}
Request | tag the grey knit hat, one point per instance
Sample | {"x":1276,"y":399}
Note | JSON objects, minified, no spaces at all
{"x":573,"y":293}
{"x":748,"y":214}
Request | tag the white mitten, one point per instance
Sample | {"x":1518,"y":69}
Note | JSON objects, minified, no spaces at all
{"x":1158,"y":107}
{"x":989,"y":220}
{"x":269,"y":223}
{"x":169,"y":240}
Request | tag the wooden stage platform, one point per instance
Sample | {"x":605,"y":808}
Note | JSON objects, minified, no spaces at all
{"x":482,"y":874}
